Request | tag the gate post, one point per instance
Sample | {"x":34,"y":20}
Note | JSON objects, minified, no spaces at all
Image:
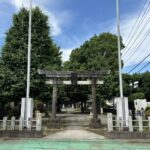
{"x":109,"y":122}
{"x":5,"y":123}
{"x":29,"y":124}
{"x":140,"y":124}
{"x":130,"y":124}
{"x":21,"y":123}
{"x":39,"y":123}
{"x":12,"y":123}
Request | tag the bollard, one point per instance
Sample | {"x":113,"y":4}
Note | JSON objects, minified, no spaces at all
{"x":140,"y":123}
{"x":109,"y":122}
{"x":5,"y":123}
{"x":130,"y":124}
{"x":38,"y":123}
{"x":13,"y":123}
{"x":21,"y":122}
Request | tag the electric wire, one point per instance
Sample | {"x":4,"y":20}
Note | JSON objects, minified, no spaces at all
{"x":137,"y":19}
{"x":137,"y":48}
{"x":139,"y":63}
{"x":144,"y":67}
{"x":141,"y":31}
{"x":137,"y":28}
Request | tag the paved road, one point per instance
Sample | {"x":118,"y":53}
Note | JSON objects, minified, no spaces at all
{"x":49,"y":144}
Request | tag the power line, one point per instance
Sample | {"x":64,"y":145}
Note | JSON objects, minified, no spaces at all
{"x":137,"y":20}
{"x":144,"y":67}
{"x":141,"y":31}
{"x":136,"y":49}
{"x":139,"y":63}
{"x":137,"y":28}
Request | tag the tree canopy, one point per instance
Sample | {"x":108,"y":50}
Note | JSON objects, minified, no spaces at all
{"x":13,"y":62}
{"x":100,"y":52}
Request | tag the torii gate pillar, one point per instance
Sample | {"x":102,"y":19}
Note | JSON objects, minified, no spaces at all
{"x":95,"y":122}
{"x":54,"y":98}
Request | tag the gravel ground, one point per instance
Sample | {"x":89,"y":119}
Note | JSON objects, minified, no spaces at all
{"x":75,"y":134}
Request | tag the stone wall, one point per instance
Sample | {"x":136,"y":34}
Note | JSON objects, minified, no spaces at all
{"x":21,"y":134}
{"x":127,"y":135}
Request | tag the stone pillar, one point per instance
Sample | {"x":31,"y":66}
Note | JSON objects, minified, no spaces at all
{"x":140,"y":124}
{"x":12,"y":123}
{"x":120,"y":123}
{"x":23,"y":108}
{"x":110,"y":122}
{"x":29,"y":124}
{"x":54,"y":99}
{"x":130,"y":124}
{"x":149,"y":122}
{"x":95,"y":122}
{"x":38,"y":123}
{"x":5,"y":123}
{"x":21,"y":123}
{"x":72,"y":106}
{"x":101,"y":110}
{"x":63,"y":106}
{"x":94,"y":105}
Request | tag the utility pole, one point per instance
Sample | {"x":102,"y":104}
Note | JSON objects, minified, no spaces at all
{"x":27,"y":102}
{"x":29,"y":52}
{"x":123,"y":107}
{"x":119,"y":51}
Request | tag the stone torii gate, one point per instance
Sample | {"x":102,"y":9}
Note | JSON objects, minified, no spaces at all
{"x":92,"y":80}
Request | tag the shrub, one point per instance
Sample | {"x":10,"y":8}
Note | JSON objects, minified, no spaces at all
{"x":138,"y":95}
{"x":147,"y":111}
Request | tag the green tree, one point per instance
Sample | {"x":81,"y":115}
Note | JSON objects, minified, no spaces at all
{"x":135,"y":96}
{"x":99,"y":53}
{"x":13,"y":61}
{"x":146,"y":84}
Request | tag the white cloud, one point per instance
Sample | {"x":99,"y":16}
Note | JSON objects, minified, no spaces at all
{"x":54,"y":23}
{"x":66,"y":54}
{"x":19,"y":3}
{"x":57,"y":19}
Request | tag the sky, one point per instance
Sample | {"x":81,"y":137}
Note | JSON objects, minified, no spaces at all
{"x":75,"y":21}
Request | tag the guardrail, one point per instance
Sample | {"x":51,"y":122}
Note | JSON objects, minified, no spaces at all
{"x":140,"y":124}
